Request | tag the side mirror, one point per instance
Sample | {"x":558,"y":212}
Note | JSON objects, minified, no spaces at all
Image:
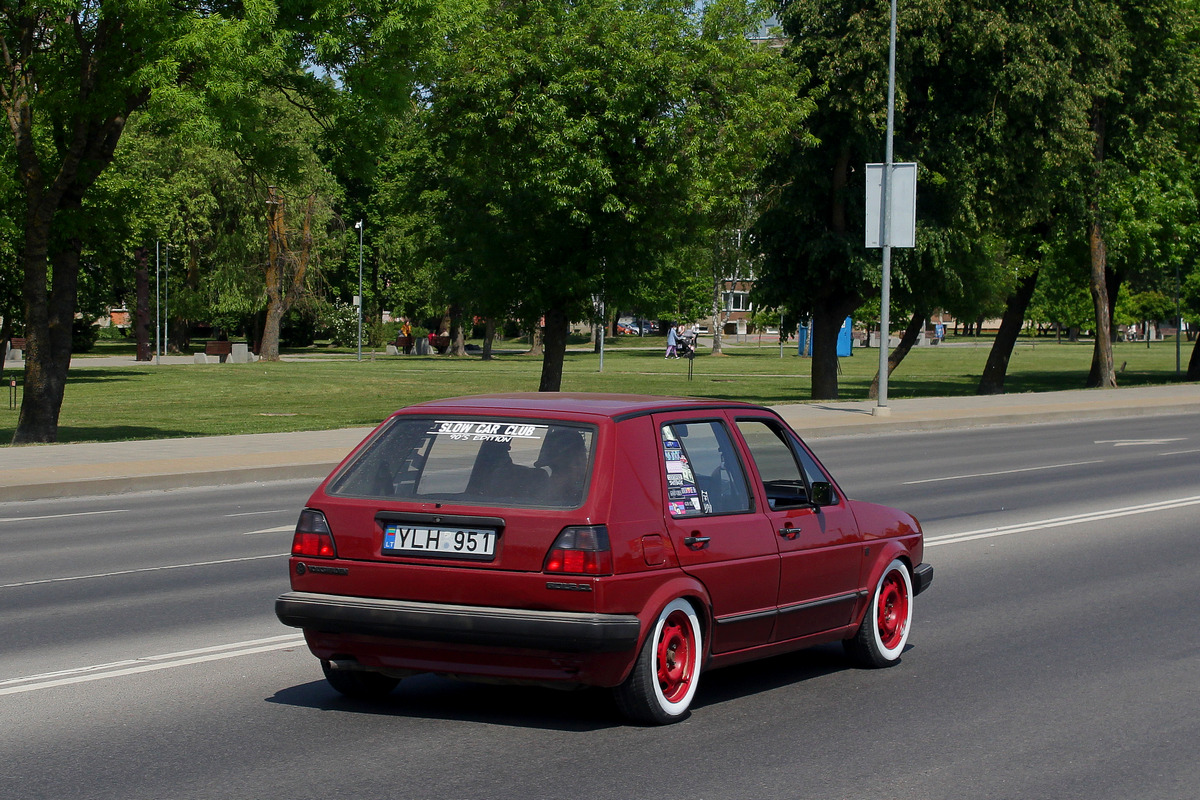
{"x":822,"y":493}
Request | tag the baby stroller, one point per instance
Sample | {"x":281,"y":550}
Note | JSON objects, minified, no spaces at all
{"x":685,"y":347}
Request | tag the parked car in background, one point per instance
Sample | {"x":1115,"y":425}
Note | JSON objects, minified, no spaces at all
{"x":592,"y":540}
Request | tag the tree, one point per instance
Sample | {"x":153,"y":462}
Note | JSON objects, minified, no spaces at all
{"x":747,"y":110}
{"x":560,"y":130}
{"x":1143,"y":123}
{"x":73,"y":75}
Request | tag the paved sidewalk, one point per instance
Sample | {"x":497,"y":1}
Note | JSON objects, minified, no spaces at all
{"x":66,"y":470}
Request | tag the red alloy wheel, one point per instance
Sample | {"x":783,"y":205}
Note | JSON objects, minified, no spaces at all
{"x":892,"y":608}
{"x":675,"y":656}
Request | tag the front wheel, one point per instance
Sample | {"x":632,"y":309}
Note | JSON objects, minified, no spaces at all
{"x":663,"y":682}
{"x":884,"y":630}
{"x":358,"y":684}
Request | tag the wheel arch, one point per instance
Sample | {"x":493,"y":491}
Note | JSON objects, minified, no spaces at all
{"x":888,"y":552}
{"x":683,"y":587}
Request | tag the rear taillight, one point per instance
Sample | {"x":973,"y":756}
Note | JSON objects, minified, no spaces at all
{"x":313,"y":538}
{"x":581,"y":550}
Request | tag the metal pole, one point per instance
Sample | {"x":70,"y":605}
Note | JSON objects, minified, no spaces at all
{"x":167,"y":298}
{"x":603,"y":330}
{"x":1178,"y":320}
{"x":885,"y":298}
{"x":360,"y":293}
{"x":157,"y":305}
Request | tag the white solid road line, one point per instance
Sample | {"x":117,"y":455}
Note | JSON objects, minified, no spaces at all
{"x":1002,"y":472}
{"x":280,"y":529}
{"x":1058,"y":522}
{"x":61,"y":516}
{"x":141,"y":569}
{"x":183,"y":658}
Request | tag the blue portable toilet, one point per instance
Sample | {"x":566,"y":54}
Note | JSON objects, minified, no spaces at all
{"x":845,"y":346}
{"x":845,"y":340}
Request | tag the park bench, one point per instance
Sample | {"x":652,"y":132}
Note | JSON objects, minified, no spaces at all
{"x":405,"y":344}
{"x":218,"y":348}
{"x":441,"y":344}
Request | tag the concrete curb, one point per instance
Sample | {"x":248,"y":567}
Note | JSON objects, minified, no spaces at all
{"x":72,"y":470}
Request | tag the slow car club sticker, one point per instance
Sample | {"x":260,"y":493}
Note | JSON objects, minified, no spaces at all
{"x":486,"y":431}
{"x":683,"y":496}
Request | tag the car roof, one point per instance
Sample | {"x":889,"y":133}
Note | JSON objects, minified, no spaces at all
{"x":613,"y":406}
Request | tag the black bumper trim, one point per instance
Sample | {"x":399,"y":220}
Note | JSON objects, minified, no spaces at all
{"x":922,"y":577}
{"x":558,"y":631}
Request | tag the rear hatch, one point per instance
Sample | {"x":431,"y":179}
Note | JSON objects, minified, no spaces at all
{"x":461,"y":492}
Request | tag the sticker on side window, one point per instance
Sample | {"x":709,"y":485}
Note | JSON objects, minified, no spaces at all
{"x":683,"y":495}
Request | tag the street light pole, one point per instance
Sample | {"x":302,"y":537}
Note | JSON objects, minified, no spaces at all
{"x":359,"y":225}
{"x":157,"y":298}
{"x":166,"y":298}
{"x":885,"y":298}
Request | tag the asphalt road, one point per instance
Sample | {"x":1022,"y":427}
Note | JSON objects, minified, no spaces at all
{"x":1056,"y":655}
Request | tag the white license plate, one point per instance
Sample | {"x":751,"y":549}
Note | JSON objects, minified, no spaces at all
{"x":452,"y":542}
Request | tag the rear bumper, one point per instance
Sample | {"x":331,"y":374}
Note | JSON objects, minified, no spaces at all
{"x":922,"y":577}
{"x":556,"y":631}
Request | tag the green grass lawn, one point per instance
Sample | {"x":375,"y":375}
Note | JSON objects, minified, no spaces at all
{"x":333,"y":389}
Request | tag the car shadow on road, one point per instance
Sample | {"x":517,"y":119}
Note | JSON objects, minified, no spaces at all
{"x":742,"y":680}
{"x":585,"y":710}
{"x":434,"y":697}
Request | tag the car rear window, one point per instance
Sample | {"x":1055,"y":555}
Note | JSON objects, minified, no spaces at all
{"x":473,"y":461}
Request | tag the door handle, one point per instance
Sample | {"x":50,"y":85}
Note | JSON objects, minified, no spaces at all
{"x":696,"y":542}
{"x":789,"y":532}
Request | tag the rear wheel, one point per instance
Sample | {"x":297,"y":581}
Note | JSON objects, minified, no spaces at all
{"x":884,"y":630}
{"x":663,"y":682}
{"x":358,"y":684}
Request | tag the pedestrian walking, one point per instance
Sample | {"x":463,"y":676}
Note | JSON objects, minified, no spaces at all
{"x":672,"y":341}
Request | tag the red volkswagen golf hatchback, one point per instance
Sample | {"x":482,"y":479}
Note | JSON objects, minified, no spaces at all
{"x":591,"y":540}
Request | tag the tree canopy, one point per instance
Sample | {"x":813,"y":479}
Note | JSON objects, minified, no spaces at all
{"x":521,"y":160}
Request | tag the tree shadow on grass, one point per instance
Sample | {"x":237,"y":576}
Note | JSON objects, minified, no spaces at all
{"x":115,"y":433}
{"x":105,"y":375}
{"x":75,"y":434}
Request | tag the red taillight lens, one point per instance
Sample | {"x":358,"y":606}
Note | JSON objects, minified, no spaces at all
{"x":313,"y":537}
{"x":581,"y":551}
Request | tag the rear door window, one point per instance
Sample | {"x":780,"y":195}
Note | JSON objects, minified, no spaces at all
{"x":473,"y":461}
{"x":703,"y":472}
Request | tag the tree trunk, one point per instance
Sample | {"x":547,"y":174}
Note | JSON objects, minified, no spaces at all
{"x":286,"y":271}
{"x":457,"y":329}
{"x":827,"y":321}
{"x":535,"y":341}
{"x":141,"y":314}
{"x":489,"y":335}
{"x":1103,"y":375}
{"x":915,"y":325}
{"x":996,"y":368}
{"x":277,"y":248}
{"x":1193,"y":370}
{"x":1112,"y":283}
{"x":557,"y":325}
{"x":718,"y":317}
{"x":831,"y":309}
{"x":48,"y":355}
